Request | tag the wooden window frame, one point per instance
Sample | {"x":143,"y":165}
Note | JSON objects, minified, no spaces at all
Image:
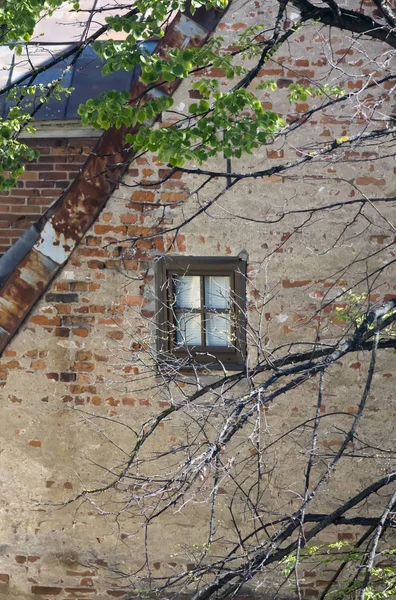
{"x":211,"y":356}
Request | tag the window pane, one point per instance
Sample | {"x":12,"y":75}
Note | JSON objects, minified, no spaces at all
{"x":188,"y":329}
{"x":217,"y":291}
{"x":218,"y":329}
{"x":188,"y":291}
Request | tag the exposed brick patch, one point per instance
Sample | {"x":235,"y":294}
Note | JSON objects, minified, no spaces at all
{"x":40,"y":185}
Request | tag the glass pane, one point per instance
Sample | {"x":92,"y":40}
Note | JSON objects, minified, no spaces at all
{"x":188,"y":329}
{"x":218,"y":329}
{"x":217,"y":291}
{"x":188,"y":291}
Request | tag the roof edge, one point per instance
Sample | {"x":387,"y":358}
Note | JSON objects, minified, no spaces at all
{"x":66,"y":129}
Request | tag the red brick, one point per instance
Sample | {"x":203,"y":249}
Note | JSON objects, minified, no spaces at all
{"x":38,"y":365}
{"x":135,"y":301}
{"x":100,"y":229}
{"x":46,"y":590}
{"x":13,"y":364}
{"x":42,"y":320}
{"x":40,"y":184}
{"x":9,"y":353}
{"x":62,"y":332}
{"x":145,"y":244}
{"x":83,"y":389}
{"x":131,"y":265}
{"x":92,"y":240}
{"x":180,"y":239}
{"x":286,"y":283}
{"x":93,"y":251}
{"x":85,"y":367}
{"x":366,"y":180}
{"x":301,"y":73}
{"x":96,"y":264}
{"x":143,"y":196}
{"x":84,"y":355}
{"x":275,"y":153}
{"x":35,"y":443}
{"x":344,"y":51}
{"x":117,"y":335}
{"x":159,"y":244}
{"x":52,"y":376}
{"x":57,"y":175}
{"x":128,"y":401}
{"x":271,"y":71}
{"x":129,"y":219}
{"x":95,"y":308}
{"x":80,"y":332}
{"x":78,"y":286}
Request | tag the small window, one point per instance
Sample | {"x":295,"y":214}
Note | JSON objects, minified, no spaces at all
{"x":201,"y":310}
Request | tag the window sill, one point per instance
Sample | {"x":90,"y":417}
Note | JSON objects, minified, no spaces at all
{"x":176,"y":365}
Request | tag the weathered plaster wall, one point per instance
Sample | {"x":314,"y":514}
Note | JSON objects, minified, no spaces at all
{"x":79,"y":360}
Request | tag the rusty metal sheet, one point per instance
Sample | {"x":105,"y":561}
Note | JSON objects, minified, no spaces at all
{"x":72,"y":217}
{"x":4,"y":338}
{"x":23,"y":289}
{"x":187,"y":33}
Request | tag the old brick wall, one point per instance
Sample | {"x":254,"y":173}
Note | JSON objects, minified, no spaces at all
{"x":41,"y":184}
{"x":82,"y":357}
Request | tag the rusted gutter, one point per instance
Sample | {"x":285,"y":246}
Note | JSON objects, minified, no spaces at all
{"x":30,"y":267}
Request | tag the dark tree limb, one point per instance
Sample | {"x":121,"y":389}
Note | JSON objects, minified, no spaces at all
{"x":348,"y":20}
